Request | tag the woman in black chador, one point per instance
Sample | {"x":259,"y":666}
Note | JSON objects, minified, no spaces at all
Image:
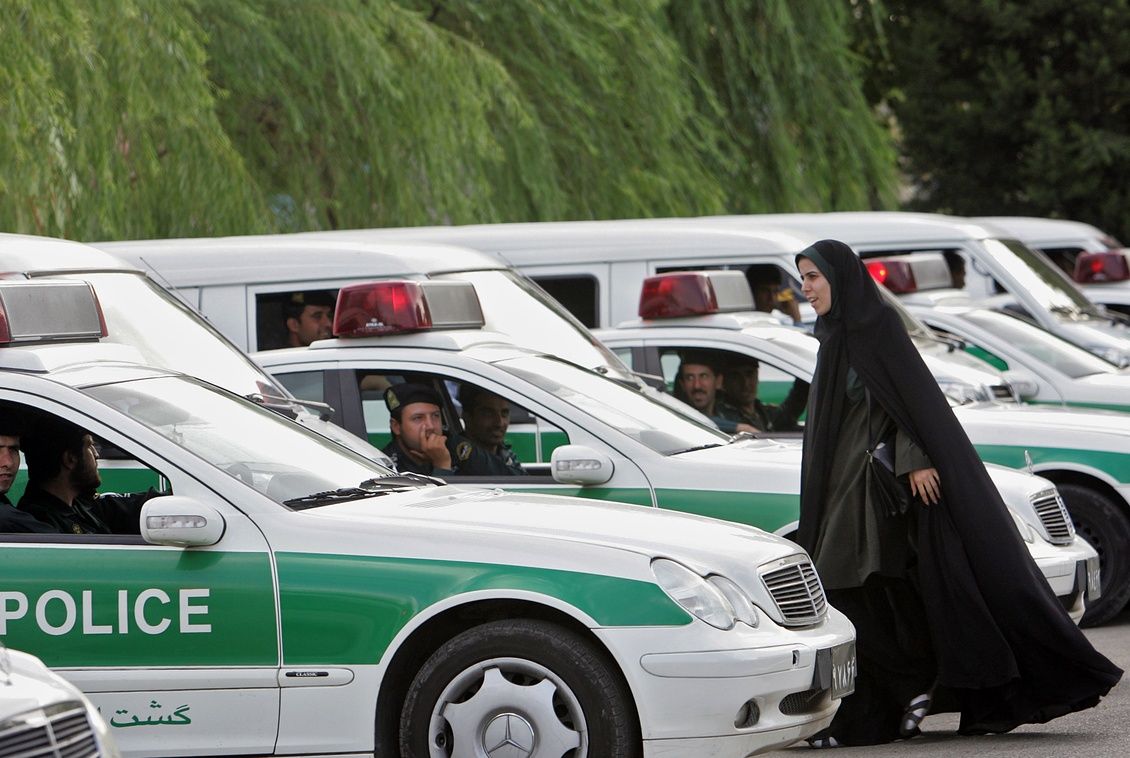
{"x":949,"y":608}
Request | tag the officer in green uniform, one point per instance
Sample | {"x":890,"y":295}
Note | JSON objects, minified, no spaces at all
{"x":418,"y":443}
{"x":699,"y":383}
{"x":486,"y":417}
{"x":741,"y":381}
{"x":12,"y":519}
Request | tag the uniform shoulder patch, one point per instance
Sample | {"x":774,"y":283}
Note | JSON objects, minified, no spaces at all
{"x":463,"y":450}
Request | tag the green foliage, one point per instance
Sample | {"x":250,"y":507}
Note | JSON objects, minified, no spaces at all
{"x":142,"y":118}
{"x":1014,"y":106}
{"x":109,"y":128}
{"x":608,"y":85}
{"x":802,"y":135}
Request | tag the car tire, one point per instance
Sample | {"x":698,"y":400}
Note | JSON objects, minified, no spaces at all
{"x":1103,"y":524}
{"x":536,"y":683}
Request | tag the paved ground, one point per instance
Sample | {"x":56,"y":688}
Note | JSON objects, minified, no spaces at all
{"x":1102,"y":732}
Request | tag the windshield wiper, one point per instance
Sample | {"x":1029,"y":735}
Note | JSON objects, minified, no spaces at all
{"x":285,"y":405}
{"x":696,"y":447}
{"x":384,"y":485}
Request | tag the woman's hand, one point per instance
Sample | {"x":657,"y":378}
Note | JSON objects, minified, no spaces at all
{"x":925,"y":484}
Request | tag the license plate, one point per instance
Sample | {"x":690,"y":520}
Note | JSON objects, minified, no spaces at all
{"x":835,"y":670}
{"x":1094,"y":579}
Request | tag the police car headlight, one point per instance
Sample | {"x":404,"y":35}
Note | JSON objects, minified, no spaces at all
{"x":1022,"y":526}
{"x":744,"y":609}
{"x":694,"y":594}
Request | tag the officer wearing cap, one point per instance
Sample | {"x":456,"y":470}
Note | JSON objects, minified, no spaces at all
{"x":699,"y":383}
{"x":486,"y":417}
{"x":12,"y":519}
{"x":418,"y":442}
{"x":309,"y":317}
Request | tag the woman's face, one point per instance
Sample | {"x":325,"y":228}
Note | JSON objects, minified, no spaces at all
{"x":817,"y":290}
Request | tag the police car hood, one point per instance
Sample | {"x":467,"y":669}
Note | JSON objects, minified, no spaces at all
{"x":778,"y":453}
{"x":1059,"y":424}
{"x":25,"y":684}
{"x":503,"y":523}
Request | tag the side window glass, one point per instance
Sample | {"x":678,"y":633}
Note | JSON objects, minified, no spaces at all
{"x":577,"y":293}
{"x":293,"y":319}
{"x":530,"y":438}
{"x":34,"y":444}
{"x":305,"y":385}
{"x":624,"y":354}
{"x":669,"y":363}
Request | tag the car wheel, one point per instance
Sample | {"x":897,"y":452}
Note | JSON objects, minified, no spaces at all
{"x":518,"y":687}
{"x":1103,"y":524}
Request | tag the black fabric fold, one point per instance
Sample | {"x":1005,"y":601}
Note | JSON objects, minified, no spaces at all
{"x":994,"y":621}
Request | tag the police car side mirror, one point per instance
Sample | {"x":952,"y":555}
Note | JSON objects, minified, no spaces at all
{"x":180,"y":521}
{"x":1023,"y":384}
{"x":580,"y":464}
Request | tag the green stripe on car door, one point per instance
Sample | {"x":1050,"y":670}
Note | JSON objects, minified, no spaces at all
{"x":765,"y":510}
{"x":1115,"y":464}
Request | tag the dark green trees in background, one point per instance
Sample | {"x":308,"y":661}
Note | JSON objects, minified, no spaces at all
{"x":1014,"y":106}
{"x":143,"y":118}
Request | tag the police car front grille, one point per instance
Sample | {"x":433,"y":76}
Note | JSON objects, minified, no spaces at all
{"x":797,"y":591}
{"x":59,"y":731}
{"x":1054,"y":516}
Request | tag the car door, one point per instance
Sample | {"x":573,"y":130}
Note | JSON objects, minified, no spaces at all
{"x":178,"y":647}
{"x":537,"y":428}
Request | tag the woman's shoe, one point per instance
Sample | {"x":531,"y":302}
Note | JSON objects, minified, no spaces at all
{"x":822,"y":742}
{"x":916,"y":710}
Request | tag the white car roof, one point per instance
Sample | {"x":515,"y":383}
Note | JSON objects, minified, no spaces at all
{"x":587,"y":241}
{"x":43,"y":255}
{"x":1043,"y":231}
{"x":290,"y":257}
{"x":869,"y":227}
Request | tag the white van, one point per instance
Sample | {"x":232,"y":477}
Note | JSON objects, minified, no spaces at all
{"x":597,"y":268}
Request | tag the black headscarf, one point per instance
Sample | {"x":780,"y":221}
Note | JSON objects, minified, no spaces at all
{"x":995,"y":621}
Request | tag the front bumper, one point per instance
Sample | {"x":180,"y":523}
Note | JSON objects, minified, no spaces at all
{"x":1072,"y":571}
{"x":705,"y":692}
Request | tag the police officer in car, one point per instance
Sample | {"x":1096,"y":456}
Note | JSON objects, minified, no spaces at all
{"x":741,"y":380}
{"x":699,"y":384}
{"x":486,"y":417}
{"x":418,"y":445}
{"x":63,"y":478}
{"x":12,"y":519}
{"x":308,"y":316}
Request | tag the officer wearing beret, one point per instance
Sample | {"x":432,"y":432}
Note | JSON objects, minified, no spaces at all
{"x":309,"y":317}
{"x":418,"y":442}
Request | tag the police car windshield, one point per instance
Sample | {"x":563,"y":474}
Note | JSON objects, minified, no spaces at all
{"x":515,"y":306}
{"x":144,"y":316}
{"x":262,"y":449}
{"x":610,"y":403}
{"x":1041,"y":279}
{"x":1045,"y":347}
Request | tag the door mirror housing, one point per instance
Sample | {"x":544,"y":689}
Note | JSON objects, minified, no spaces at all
{"x":580,"y":464}
{"x":180,"y":521}
{"x":1023,"y":384}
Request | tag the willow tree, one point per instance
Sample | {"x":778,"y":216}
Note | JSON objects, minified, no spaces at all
{"x":607,"y":83}
{"x":353,"y":113}
{"x":781,"y":77}
{"x":108,"y":126}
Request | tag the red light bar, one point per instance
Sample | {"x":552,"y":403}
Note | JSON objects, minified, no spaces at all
{"x":1108,"y":266}
{"x":895,"y":275}
{"x":694,"y":293}
{"x":399,"y":306}
{"x":46,"y":310}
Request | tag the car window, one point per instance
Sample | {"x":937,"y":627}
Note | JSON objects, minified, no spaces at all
{"x":531,"y":438}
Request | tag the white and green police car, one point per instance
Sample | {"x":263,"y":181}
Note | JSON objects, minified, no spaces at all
{"x":42,"y":714}
{"x":1085,"y":454}
{"x":1048,"y":368}
{"x":287,"y":596}
{"x":612,"y":443}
